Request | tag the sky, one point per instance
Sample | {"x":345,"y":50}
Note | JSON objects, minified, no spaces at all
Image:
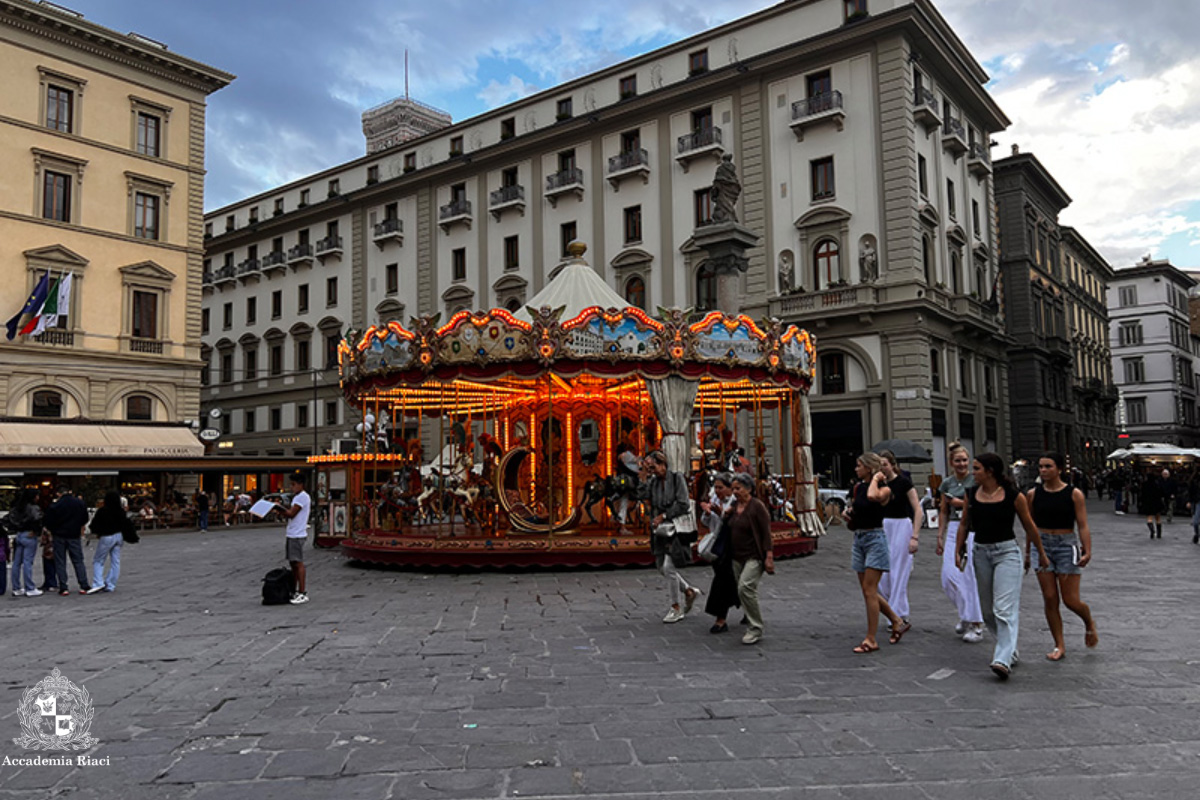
{"x":1106,"y":93}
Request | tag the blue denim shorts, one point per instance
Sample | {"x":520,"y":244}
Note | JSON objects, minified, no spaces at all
{"x":870,"y":551}
{"x":1061,"y":549}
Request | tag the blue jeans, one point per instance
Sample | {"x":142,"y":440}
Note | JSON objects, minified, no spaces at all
{"x":1196,"y":516}
{"x":24,"y":549}
{"x":74,"y":548}
{"x":1117,"y":500}
{"x":106,"y":547}
{"x":998,"y":571}
{"x":202,"y":519}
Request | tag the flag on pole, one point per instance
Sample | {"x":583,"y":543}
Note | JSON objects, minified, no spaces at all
{"x":58,"y":303}
{"x":36,"y":300}
{"x":31,"y":327}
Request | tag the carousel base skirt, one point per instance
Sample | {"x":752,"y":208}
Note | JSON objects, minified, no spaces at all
{"x":590,"y":546}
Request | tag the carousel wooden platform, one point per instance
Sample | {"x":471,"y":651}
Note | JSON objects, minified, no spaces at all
{"x":590,"y":546}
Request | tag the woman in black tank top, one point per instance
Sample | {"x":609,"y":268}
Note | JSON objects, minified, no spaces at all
{"x":1058,"y":509}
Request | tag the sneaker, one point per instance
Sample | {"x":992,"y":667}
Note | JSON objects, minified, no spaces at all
{"x":301,"y":597}
{"x":961,"y":627}
{"x":674,"y":615}
{"x":64,"y":592}
{"x":973,"y":636}
{"x":93,"y":590}
{"x":1120,"y":513}
{"x":752,"y":637}
{"x":84,"y":591}
{"x":18,"y":593}
{"x":33,"y":593}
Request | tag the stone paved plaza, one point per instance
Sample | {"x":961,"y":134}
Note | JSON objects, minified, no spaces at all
{"x":414,"y":685}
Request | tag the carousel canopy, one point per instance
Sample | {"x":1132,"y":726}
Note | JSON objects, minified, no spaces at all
{"x":575,"y":288}
{"x":1152,"y":450}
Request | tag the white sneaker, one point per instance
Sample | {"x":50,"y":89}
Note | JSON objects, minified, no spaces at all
{"x":674,"y":615}
{"x":32,"y":592}
{"x":18,"y":593}
{"x":973,"y":636}
{"x":961,"y":627}
{"x":95,"y":589}
{"x":752,"y":637}
{"x":300,"y":598}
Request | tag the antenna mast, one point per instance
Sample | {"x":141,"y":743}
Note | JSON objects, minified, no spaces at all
{"x":406,"y":73}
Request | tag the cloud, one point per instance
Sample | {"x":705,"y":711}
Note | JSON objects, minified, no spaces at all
{"x":497,"y":94}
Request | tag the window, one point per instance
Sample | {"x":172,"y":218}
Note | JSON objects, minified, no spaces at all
{"x":302,"y":415}
{"x":331,"y":412}
{"x":145,"y":315}
{"x":822,"y":179}
{"x":702,"y":119}
{"x":253,"y":214}
{"x":951,"y":199}
{"x":513,"y":305}
{"x":391,"y":278}
{"x":508,"y":177}
{"x":566,"y":160}
{"x":1128,"y":296}
{"x":980,"y":282}
{"x":139,"y":407}
{"x":508,"y":127}
{"x":372,"y":177}
{"x":627,"y":87}
{"x":955,"y":274}
{"x":47,"y":404}
{"x":410,"y":162}
{"x":631,"y":141}
{"x":1135,"y":370}
{"x":567,"y":234}
{"x":230,"y":223}
{"x":827,"y":264}
{"x":227,"y":316}
{"x":302,"y":238}
{"x":302,"y":298}
{"x":975,"y":226}
{"x":935,"y":370}
{"x":512,"y":252}
{"x":305,"y":194}
{"x":276,"y":419}
{"x":927,"y":259}
{"x":702,"y":202}
{"x":60,"y":108}
{"x":208,"y":230}
{"x":706,"y":287}
{"x":833,"y":373}
{"x":964,"y":377}
{"x":148,"y":134}
{"x":226,"y":367}
{"x":205,"y":317}
{"x":303,"y":361}
{"x":331,"y":286}
{"x":56,"y":196}
{"x":633,"y":224}
{"x":635,"y":292}
{"x":1135,"y":410}
{"x":277,"y":304}
{"x":251,"y":421}
{"x":697,"y":62}
{"x":250,"y":362}
{"x":458,"y":193}
{"x":818,"y":84}
{"x":456,"y":146}
{"x":206,"y":369}
{"x":145,"y":215}
{"x":922,"y":176}
{"x":251,"y":310}
{"x":855,"y":9}
{"x":458,"y":264}
{"x":563,"y":109}
{"x":275,"y":360}
{"x":1130,"y":333}
{"x":331,"y":229}
{"x":335,"y":188}
{"x":278,"y":206}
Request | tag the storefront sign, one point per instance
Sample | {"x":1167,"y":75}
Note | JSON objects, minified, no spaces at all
{"x":210,"y":434}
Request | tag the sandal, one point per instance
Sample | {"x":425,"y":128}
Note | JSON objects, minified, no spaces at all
{"x":1057,"y":654}
{"x":1002,"y":672}
{"x":1091,"y":638}
{"x":866,"y":647}
{"x":898,"y":633}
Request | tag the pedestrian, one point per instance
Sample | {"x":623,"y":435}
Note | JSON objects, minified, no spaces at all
{"x":49,"y":570}
{"x":993,"y":505}
{"x":1194,"y":505}
{"x":1116,"y":487}
{"x":1167,"y":487}
{"x":870,"y":558}
{"x":1058,"y":509}
{"x":4,"y":561}
{"x":902,"y":523}
{"x":65,"y":520}
{"x":202,"y":511}
{"x":295,"y":534}
{"x":110,"y":525}
{"x":668,"y":495}
{"x":25,"y":520}
{"x":1150,"y":503}
{"x":749,"y":525}
{"x":959,"y":584}
{"x":723,"y":592}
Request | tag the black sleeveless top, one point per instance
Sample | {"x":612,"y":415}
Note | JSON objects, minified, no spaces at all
{"x":899,"y":507}
{"x":866,"y":515}
{"x":992,"y":522}
{"x":1054,"y":511}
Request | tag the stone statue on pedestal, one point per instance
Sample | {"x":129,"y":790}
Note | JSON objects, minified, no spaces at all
{"x":787,"y":273}
{"x":868,"y":262}
{"x":725,"y":191}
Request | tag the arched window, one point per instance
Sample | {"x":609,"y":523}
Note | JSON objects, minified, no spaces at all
{"x":706,"y":288}
{"x":47,"y":404}
{"x":955,"y":274}
{"x":635,"y":292}
{"x":139,"y":407}
{"x":927,"y":259}
{"x":827,"y":264}
{"x":513,"y":305}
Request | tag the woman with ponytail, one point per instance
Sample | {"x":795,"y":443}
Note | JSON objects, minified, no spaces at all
{"x":959,"y":584}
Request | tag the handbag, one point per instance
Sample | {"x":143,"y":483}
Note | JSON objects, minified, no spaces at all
{"x":707,"y":546}
{"x":665,"y":530}
{"x":686,"y":522}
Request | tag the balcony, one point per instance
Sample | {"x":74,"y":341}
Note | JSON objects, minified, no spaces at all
{"x":55,"y":336}
{"x":979,"y":160}
{"x":504,"y":198}
{"x":926,"y":111}
{"x":453,"y":213}
{"x":329,"y":246}
{"x":954,"y":137}
{"x":300,"y":254}
{"x":627,"y":165}
{"x":817,"y":110}
{"x":227,"y":274}
{"x":208,"y":279}
{"x":248,"y":269}
{"x":563,"y":182}
{"x":390,"y":230}
{"x":819,"y":305}
{"x":152,"y":346}
{"x":276,"y":260}
{"x":704,"y":142}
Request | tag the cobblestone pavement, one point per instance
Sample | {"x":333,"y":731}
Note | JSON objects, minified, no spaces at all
{"x":522,"y":685}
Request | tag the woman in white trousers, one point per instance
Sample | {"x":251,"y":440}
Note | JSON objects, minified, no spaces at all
{"x":959,"y":585}
{"x":902,"y":524}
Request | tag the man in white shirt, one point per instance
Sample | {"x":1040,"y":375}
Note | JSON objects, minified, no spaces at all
{"x":297,"y":532}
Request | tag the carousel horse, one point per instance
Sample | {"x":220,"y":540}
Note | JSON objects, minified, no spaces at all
{"x":594,"y":491}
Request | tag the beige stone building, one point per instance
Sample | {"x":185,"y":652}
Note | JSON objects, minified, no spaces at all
{"x":102,"y":178}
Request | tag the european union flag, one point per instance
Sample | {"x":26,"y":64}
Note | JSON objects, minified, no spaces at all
{"x":35,"y":301}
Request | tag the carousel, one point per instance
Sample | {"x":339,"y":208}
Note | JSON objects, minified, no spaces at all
{"x":537,"y":421}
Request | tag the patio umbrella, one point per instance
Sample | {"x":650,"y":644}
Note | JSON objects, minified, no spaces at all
{"x":904,"y":450}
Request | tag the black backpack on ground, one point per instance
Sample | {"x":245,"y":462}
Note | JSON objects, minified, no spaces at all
{"x":278,"y":586}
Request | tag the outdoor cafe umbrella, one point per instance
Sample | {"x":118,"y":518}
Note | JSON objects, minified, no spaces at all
{"x":904,"y":450}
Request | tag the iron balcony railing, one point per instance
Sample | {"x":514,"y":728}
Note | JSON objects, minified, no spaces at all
{"x":817,"y":104}
{"x":564,"y":178}
{"x":455,"y":208}
{"x":506,"y":194}
{"x":248,"y":266}
{"x":624,"y":161}
{"x":328,"y":244}
{"x":980,"y":153}
{"x":925,"y":98}
{"x":389,"y":225}
{"x":953,"y":127}
{"x":275,"y":258}
{"x":705,"y":137}
{"x":300,"y":251}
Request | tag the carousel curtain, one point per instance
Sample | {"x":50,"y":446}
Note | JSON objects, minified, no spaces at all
{"x":674,"y":398}
{"x":805,"y":499}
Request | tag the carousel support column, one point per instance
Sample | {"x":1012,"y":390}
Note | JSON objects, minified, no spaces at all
{"x":806,"y":482}
{"x":550,"y":449}
{"x":440,"y":450}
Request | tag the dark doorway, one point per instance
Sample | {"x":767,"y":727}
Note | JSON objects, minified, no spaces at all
{"x":837,"y":442}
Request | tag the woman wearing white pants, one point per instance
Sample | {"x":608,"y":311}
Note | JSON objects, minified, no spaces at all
{"x":959,"y":585}
{"x":902,"y":523}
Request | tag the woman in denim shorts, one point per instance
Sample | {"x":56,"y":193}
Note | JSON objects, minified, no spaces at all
{"x":1058,"y":509}
{"x":870,"y":552}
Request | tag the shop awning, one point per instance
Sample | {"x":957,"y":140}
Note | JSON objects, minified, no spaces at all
{"x":97,"y":441}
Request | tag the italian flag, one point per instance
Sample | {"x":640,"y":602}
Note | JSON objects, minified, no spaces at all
{"x":59,"y":297}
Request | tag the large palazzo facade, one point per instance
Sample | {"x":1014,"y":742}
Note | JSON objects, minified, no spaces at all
{"x":861,"y":134}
